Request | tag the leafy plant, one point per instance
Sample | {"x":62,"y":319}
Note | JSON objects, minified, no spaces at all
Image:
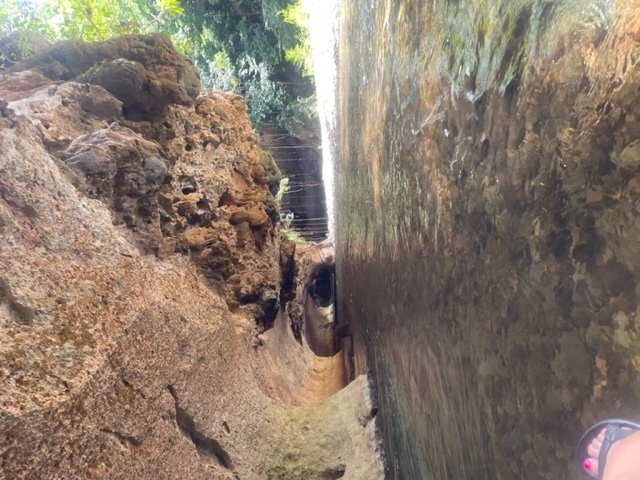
{"x":284,"y":188}
{"x":87,"y":19}
{"x":300,"y":53}
{"x":256,"y":48}
{"x":287,"y":216}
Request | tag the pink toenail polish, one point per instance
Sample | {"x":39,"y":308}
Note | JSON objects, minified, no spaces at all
{"x":587,"y":464}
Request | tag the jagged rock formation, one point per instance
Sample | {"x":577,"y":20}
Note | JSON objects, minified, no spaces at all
{"x":144,"y":72}
{"x":140,"y":258}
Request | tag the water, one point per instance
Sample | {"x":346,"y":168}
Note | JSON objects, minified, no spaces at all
{"x":323,"y":37}
{"x":488,"y":209}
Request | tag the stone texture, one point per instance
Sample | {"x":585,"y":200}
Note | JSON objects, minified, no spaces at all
{"x":312,"y":312}
{"x":144,"y":72}
{"x":59,"y":111}
{"x":488,"y":235}
{"x":140,"y":269}
{"x":22,"y":84}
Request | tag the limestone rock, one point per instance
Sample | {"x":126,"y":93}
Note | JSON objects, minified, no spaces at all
{"x":140,"y":262}
{"x":6,"y":115}
{"x":121,"y":168}
{"x":61,"y":111}
{"x":271,"y":171}
{"x":307,"y":291}
{"x":493,"y":252}
{"x":14,"y":86}
{"x":145,"y":72}
{"x":254,"y":217}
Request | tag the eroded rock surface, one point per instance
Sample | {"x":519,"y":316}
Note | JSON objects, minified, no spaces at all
{"x":144,"y":72}
{"x":139,"y":258}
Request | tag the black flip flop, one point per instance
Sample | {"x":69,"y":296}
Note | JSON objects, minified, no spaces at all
{"x":615,"y":430}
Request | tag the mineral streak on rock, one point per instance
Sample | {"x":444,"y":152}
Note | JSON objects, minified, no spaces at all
{"x":139,"y":258}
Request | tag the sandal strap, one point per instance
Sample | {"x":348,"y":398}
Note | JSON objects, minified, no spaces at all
{"x":612,"y":434}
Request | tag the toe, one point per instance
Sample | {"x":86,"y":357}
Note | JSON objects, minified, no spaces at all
{"x":591,"y":467}
{"x":593,"y":450}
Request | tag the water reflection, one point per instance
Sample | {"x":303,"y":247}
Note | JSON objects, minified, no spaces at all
{"x":487,"y":221}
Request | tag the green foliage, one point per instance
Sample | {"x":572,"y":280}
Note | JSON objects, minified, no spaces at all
{"x":20,"y":45}
{"x":293,"y":235}
{"x":89,"y":20}
{"x":266,"y":97}
{"x":284,"y":188}
{"x":300,"y":56}
{"x":219,"y":74}
{"x":300,"y":53}
{"x":287,"y":33}
{"x":170,"y":6}
{"x":300,"y":115}
{"x":286,"y":216}
{"x":256,"y":48}
{"x":16,"y":15}
{"x":295,"y":14}
{"x":265,"y":59}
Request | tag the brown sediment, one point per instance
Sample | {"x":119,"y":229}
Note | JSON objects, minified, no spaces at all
{"x":326,"y":377}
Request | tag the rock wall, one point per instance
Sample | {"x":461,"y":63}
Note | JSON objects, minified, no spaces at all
{"x":487,"y":239}
{"x":140,"y":257}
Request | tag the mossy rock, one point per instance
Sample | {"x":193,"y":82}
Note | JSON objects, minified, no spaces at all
{"x":145,"y":72}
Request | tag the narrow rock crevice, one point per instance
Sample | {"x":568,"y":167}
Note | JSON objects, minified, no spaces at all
{"x":208,"y":448}
{"x":319,"y":318}
{"x":130,"y":386}
{"x":123,"y":437}
{"x":335,"y":473}
{"x":159,"y":265}
{"x":16,"y":311}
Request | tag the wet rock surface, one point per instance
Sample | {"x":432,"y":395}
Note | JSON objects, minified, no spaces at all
{"x":488,"y":186}
{"x":140,"y":259}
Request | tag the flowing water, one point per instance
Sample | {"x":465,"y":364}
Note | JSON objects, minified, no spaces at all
{"x":488,"y":211}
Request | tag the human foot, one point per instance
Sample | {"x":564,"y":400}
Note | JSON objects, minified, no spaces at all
{"x":614,"y":443}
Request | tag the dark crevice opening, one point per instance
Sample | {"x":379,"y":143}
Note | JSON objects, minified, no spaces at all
{"x":319,"y":311}
{"x":321,"y":286}
{"x":208,"y":448}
